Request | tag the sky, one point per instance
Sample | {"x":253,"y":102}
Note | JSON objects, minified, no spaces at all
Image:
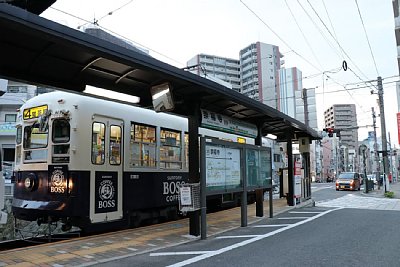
{"x":315,"y":36}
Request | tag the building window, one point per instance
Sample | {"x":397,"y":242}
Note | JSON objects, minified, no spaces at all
{"x":11,"y":118}
{"x":17,"y":89}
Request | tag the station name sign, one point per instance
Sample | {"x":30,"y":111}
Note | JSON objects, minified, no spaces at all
{"x":223,"y":123}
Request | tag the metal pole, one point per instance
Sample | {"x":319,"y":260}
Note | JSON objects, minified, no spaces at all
{"x":378,"y":166}
{"x":390,"y":157}
{"x":203,"y":188}
{"x":383,"y":130}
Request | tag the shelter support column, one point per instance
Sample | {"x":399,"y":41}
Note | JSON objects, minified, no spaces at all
{"x":194,"y":162}
{"x":307,"y":175}
{"x":259,"y":192}
{"x":290,"y":196}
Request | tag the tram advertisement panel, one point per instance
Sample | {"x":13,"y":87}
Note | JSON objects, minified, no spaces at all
{"x":58,"y":176}
{"x":106,"y":194}
{"x":152,"y":189}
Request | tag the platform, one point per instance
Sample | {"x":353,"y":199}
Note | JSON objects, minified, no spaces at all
{"x":106,"y":247}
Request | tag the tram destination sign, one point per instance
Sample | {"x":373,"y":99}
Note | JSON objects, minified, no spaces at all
{"x":35,"y":112}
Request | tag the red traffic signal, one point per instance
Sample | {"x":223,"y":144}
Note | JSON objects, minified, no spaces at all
{"x":330,"y":131}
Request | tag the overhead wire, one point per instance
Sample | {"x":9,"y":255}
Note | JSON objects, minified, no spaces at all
{"x":280,"y":38}
{"x":119,"y":35}
{"x":328,"y":42}
{"x":319,"y":30}
{"x":96,"y":21}
{"x":337,"y":42}
{"x":330,"y":21}
{"x":366,"y":36}
{"x":341,"y":48}
{"x":302,"y":33}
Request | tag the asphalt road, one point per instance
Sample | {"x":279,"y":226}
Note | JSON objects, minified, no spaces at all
{"x":310,"y":236}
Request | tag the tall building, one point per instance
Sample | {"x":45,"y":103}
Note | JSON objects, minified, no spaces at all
{"x":259,"y":73}
{"x":291,"y":89}
{"x":310,"y":105}
{"x":396,"y":12}
{"x":344,"y":118}
{"x":294,"y":100}
{"x":225,"y":69}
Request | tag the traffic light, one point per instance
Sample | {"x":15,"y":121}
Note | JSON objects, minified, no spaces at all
{"x":331,"y":131}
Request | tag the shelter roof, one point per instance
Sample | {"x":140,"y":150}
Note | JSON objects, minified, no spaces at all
{"x":39,"y":51}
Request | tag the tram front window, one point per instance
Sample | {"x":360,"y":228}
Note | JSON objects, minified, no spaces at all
{"x":35,"y":142}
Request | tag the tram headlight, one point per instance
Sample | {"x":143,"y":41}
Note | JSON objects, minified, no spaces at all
{"x":70,"y":185}
{"x":30,"y":182}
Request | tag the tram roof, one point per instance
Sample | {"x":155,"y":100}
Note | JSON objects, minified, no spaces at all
{"x":39,"y":51}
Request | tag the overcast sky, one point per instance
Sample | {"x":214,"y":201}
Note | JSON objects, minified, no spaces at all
{"x":313,"y":35}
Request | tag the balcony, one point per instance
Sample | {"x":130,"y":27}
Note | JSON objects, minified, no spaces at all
{"x":397,"y":22}
{"x":7,"y":129}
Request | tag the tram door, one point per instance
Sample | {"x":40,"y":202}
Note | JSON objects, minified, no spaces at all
{"x":106,"y":171}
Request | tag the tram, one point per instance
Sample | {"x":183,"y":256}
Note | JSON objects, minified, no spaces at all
{"x":99,"y":164}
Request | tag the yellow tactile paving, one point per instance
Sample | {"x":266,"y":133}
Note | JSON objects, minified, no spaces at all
{"x":126,"y":242}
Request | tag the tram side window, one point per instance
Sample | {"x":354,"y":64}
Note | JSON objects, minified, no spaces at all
{"x":170,"y":150}
{"x":18,"y":140}
{"x":142,"y":145}
{"x":115,"y":145}
{"x":98,"y":145}
{"x":18,"y":137}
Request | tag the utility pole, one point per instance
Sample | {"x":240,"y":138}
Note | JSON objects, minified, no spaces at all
{"x":378,"y":166}
{"x":383,"y":130}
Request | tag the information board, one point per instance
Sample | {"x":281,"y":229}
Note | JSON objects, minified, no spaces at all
{"x":222,"y":166}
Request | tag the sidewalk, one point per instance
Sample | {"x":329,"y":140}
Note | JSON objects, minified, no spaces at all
{"x":91,"y":250}
{"x":392,"y":187}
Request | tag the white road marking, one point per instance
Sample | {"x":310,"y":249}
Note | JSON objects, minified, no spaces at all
{"x":210,"y":254}
{"x":235,"y":236}
{"x":179,"y":253}
{"x":271,"y":225}
{"x":292,"y":218}
{"x":304,"y":212}
{"x":315,"y":189}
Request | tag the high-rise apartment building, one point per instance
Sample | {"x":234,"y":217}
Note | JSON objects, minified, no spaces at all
{"x":225,"y":69}
{"x":290,"y":83}
{"x":294,"y":100}
{"x":344,"y":118}
{"x":259,"y":73}
{"x":396,"y":13}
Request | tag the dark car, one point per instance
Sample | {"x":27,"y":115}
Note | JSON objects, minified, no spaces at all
{"x":348,"y":181}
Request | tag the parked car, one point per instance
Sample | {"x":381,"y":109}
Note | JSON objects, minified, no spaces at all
{"x":348,"y":181}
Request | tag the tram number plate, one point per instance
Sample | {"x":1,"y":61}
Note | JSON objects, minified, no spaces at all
{"x":34,"y":112}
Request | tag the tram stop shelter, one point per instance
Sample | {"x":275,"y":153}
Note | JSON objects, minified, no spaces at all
{"x":38,"y":51}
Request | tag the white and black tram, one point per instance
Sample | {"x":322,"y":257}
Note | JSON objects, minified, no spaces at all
{"x":98,"y":164}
